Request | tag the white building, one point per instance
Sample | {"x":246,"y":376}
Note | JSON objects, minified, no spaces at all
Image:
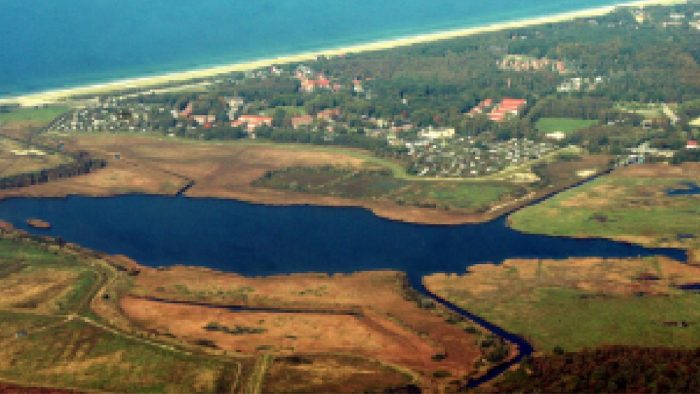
{"x":437,"y":133}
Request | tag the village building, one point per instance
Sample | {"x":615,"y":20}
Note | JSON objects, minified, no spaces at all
{"x":357,"y":86}
{"x":432,"y":133}
{"x":482,"y":107}
{"x":557,"y":135}
{"x":692,"y":144}
{"x":522,"y":63}
{"x":252,"y":122}
{"x":329,"y":114}
{"x":506,"y":108}
{"x":235,"y":102}
{"x":302,"y":121}
{"x":310,"y":85}
{"x":204,"y":119}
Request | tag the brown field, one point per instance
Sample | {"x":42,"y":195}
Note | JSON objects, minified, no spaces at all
{"x":387,"y":326}
{"x":326,"y":374}
{"x":160,"y":165}
{"x":623,"y":277}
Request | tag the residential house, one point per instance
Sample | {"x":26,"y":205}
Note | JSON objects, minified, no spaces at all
{"x":252,"y":122}
{"x":310,"y":85}
{"x":329,"y":114}
{"x":302,"y":121}
{"x":204,"y":119}
{"x":692,"y":144}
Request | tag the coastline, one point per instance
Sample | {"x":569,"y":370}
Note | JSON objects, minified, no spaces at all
{"x":58,"y":95}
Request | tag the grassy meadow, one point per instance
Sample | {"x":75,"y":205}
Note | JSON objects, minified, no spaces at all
{"x":41,"y":115}
{"x":631,"y":204}
{"x":565,"y":125}
{"x":584,"y":303}
{"x":383,"y":186}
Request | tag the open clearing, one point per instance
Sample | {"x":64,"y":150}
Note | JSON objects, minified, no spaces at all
{"x":565,"y":125}
{"x":582,"y":303}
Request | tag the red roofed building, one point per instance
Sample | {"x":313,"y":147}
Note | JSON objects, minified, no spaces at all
{"x":328,"y":114}
{"x":507,"y":107}
{"x":309,"y":85}
{"x":252,"y":122}
{"x":692,"y":144}
{"x":303,"y":120}
{"x":481,"y":107}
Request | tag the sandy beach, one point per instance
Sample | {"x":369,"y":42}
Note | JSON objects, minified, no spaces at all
{"x":54,"y":96}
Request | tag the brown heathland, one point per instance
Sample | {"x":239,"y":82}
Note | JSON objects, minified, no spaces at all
{"x":384,"y":324}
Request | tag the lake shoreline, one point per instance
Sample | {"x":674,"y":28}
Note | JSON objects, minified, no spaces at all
{"x":176,"y":78}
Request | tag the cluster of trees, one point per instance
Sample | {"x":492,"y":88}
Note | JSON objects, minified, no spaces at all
{"x":608,"y":370}
{"x":687,"y":155}
{"x":83,"y":163}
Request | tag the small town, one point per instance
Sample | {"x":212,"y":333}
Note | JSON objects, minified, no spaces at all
{"x":468,"y":158}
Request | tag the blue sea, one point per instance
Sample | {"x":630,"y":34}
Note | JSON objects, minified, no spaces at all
{"x":66,"y":43}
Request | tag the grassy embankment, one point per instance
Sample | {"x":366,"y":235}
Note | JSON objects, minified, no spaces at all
{"x":584,"y":303}
{"x":565,"y":125}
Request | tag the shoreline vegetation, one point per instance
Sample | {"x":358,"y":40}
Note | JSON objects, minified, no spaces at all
{"x":182,"y":77}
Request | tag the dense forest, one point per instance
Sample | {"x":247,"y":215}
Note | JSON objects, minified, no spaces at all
{"x":614,"y":369}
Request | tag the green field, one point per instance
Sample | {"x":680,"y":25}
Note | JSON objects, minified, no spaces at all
{"x":565,"y":125}
{"x":582,"y":304}
{"x":33,"y":115}
{"x":621,"y":206}
{"x":472,"y":197}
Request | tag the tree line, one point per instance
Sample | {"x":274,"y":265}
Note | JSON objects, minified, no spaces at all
{"x":614,"y":369}
{"x":82,"y":163}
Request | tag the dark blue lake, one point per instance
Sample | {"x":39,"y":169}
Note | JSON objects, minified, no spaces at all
{"x":692,"y":189}
{"x":262,"y":240}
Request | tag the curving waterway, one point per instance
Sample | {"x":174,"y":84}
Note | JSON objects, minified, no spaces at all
{"x":258,"y":240}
